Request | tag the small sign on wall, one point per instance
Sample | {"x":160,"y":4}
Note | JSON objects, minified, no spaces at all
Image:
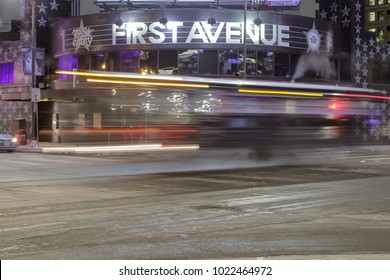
{"x":97,"y":120}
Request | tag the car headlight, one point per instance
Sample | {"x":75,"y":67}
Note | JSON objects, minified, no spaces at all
{"x":14,"y":140}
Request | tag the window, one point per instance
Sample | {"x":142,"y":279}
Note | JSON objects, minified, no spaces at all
{"x":381,"y":2}
{"x":282,"y":65}
{"x":167,"y":62}
{"x":188,"y":62}
{"x":371,"y":16}
{"x":98,"y":61}
{"x":7,"y":73}
{"x":148,"y":62}
{"x":371,"y":3}
{"x":130,"y":60}
{"x":67,"y":63}
{"x":113,"y":61}
{"x":381,"y":15}
{"x":208,"y":62}
{"x":265,"y":63}
{"x":381,"y":31}
{"x":228,"y":62}
{"x":251,"y":62}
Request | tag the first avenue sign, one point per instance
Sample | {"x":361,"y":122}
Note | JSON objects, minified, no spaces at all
{"x":179,"y":32}
{"x":197,"y":34}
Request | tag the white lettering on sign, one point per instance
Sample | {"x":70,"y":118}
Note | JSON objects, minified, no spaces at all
{"x":200,"y":32}
{"x":197,"y":32}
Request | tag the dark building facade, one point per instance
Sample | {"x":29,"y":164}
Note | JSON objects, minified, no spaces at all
{"x":377,"y":13}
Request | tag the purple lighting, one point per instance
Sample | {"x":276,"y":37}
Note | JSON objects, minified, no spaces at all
{"x":7,"y":73}
{"x":67,"y":63}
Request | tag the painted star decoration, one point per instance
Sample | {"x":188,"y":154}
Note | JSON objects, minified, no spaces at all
{"x":42,"y":22}
{"x":323,"y":14}
{"x":345,"y":11}
{"x":54,"y":5}
{"x":42,"y":8}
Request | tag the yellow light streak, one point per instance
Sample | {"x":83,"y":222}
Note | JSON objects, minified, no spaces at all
{"x":168,"y":84}
{"x":276,"y":92}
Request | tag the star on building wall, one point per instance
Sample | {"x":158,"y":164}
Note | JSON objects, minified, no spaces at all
{"x":345,"y":11}
{"x":323,"y":14}
{"x":54,"y":5}
{"x":42,"y":8}
{"x":42,"y":22}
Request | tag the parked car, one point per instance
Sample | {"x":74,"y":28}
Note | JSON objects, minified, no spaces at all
{"x":168,"y":70}
{"x":7,"y":142}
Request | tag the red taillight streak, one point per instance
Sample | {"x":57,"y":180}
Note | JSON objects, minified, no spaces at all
{"x":362,"y":96}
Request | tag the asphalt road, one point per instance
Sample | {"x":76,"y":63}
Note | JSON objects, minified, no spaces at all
{"x":328,"y":204}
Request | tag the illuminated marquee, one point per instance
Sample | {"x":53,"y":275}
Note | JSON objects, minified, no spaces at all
{"x":134,"y":4}
{"x":200,"y":32}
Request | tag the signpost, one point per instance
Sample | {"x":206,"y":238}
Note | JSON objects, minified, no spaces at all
{"x":35,"y":97}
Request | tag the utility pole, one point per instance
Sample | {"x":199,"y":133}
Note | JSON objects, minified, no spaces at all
{"x":35,"y":92}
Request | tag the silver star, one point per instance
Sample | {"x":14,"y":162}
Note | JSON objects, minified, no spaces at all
{"x":42,"y":8}
{"x":357,"y":78}
{"x":345,"y":11}
{"x":345,"y":22}
{"x":365,"y":136}
{"x":358,"y":29}
{"x":42,"y":22}
{"x":358,"y":40}
{"x":372,"y":41}
{"x":358,"y":6}
{"x":358,"y":17}
{"x":357,"y":131}
{"x":333,"y":7}
{"x":54,"y":5}
{"x":371,"y":53}
{"x":365,"y":72}
{"x":384,"y":56}
{"x":365,"y":46}
{"x":364,"y":84}
{"x":26,"y":36}
{"x":358,"y":65}
{"x":323,"y":14}
{"x":334,"y":18}
{"x":358,"y":52}
{"x":378,"y":48}
{"x":365,"y":58}
{"x":26,"y":23}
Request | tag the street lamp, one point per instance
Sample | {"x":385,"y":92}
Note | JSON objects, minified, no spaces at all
{"x":35,"y":92}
